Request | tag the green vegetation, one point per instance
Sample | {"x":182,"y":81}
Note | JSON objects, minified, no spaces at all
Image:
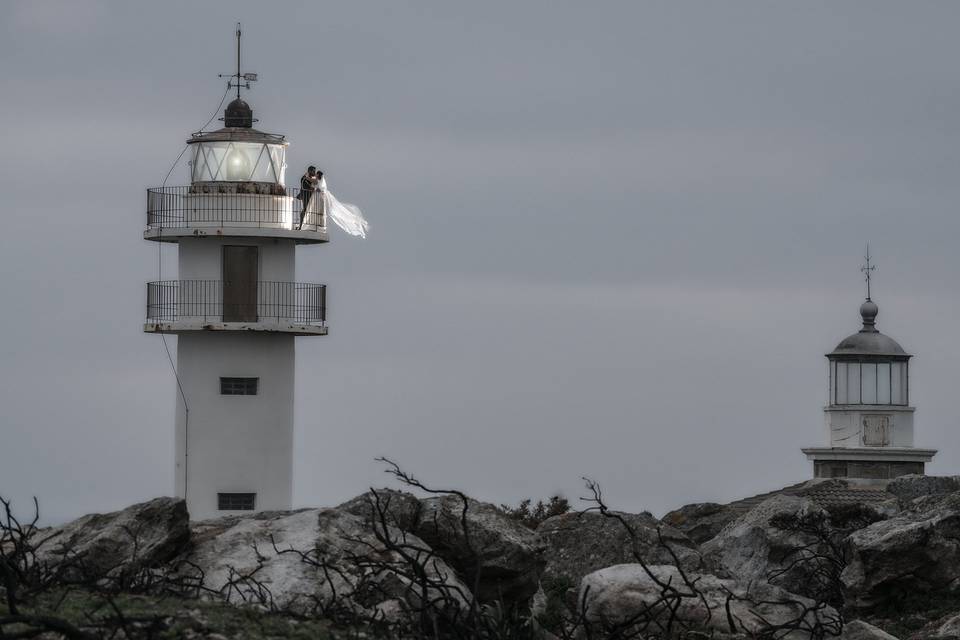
{"x":531,"y":517}
{"x":171,"y":618}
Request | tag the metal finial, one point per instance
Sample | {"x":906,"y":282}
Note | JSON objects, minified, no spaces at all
{"x":868,"y":269}
{"x":242,"y":79}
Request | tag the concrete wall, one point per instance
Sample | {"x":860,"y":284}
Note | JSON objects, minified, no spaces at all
{"x":236,"y":444}
{"x":868,"y":470}
{"x":845,"y":425}
{"x":202,"y":258}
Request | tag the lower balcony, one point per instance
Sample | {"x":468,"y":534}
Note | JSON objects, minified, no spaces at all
{"x":175,"y":306}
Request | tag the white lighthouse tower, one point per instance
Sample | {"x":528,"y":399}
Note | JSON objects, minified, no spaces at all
{"x":869,"y":419}
{"x":236,"y":308}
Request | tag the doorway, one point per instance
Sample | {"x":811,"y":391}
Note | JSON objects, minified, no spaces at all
{"x":240,"y":268}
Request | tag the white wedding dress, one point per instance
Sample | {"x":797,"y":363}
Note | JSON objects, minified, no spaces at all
{"x":345,"y":215}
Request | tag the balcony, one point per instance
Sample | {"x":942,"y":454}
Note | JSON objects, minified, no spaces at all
{"x":234,"y":210}
{"x":175,"y":306}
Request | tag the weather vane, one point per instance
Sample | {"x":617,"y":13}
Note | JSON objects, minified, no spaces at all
{"x":242,"y":79}
{"x":867,"y":269}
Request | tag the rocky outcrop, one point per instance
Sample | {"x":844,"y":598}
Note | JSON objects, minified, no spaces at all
{"x":702,"y":521}
{"x":946,"y":630}
{"x":144,"y":535}
{"x":915,"y":552}
{"x":909,"y":488}
{"x":619,"y":594}
{"x":753,"y":549}
{"x":500,"y":557}
{"x":578,"y":544}
{"x":398,"y":508}
{"x":860,"y":630}
{"x":305,"y":561}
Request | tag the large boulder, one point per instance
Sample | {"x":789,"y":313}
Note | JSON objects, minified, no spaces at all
{"x":581,"y":543}
{"x":144,"y":535}
{"x":754,"y":548}
{"x":496,"y":554}
{"x":701,"y":521}
{"x":948,"y":629}
{"x":860,"y":630}
{"x":629,"y":594}
{"x":397,"y":508}
{"x":913,"y":553}
{"x":909,"y":488}
{"x":316,"y":561}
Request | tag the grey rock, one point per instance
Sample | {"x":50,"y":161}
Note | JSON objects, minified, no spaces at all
{"x":949,"y":630}
{"x":909,"y":488}
{"x":860,"y":630}
{"x":499,"y":556}
{"x":579,"y":544}
{"x":701,"y":521}
{"x":753,"y":549}
{"x":305,"y":561}
{"x":915,"y":552}
{"x":615,"y":595}
{"x":398,"y":508}
{"x":144,"y":535}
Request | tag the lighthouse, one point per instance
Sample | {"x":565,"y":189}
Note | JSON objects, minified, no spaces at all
{"x":236,"y":309}
{"x":869,"y":418}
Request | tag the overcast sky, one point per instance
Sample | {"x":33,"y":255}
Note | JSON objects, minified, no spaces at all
{"x":608,"y":239}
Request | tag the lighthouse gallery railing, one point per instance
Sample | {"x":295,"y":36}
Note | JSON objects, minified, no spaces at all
{"x":294,"y":302}
{"x":233,"y":205}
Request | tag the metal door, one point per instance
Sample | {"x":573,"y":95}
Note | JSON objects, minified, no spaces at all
{"x":240,"y":284}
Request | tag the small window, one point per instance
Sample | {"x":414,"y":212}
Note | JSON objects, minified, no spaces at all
{"x":236,"y":501}
{"x":239,"y":386}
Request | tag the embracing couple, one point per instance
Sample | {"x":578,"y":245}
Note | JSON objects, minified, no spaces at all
{"x":310,"y":182}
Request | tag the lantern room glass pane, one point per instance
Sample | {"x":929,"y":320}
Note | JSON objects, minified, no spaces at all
{"x":868,"y":383}
{"x":841,"y":383}
{"x":898,"y":381}
{"x":227,"y":161}
{"x":853,"y":383}
{"x":883,"y":383}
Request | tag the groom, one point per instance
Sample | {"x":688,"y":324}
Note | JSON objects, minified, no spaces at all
{"x":308,"y":183}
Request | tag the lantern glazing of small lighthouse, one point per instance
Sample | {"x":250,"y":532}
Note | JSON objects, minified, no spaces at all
{"x":236,"y":308}
{"x":869,"y":419}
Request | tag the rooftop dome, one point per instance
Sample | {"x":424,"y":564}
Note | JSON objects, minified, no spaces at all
{"x":238,"y":114}
{"x":868,"y":341}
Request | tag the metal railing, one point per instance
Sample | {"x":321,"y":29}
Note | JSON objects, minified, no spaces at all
{"x":235,"y":205}
{"x":211,"y":301}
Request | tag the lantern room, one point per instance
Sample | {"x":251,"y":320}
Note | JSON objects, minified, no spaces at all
{"x":869,"y":368}
{"x":238,"y":153}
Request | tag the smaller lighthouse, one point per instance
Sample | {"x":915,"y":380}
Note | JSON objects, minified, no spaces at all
{"x":869,"y":419}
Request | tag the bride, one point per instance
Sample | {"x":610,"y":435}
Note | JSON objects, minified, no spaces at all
{"x":345,"y":215}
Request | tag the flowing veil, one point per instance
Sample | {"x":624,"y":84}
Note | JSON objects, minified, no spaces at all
{"x":345,"y":215}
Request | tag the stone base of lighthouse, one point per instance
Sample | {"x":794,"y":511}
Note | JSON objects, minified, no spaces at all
{"x":234,"y":449}
{"x":868,"y":463}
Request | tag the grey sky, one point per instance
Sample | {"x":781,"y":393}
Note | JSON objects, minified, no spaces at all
{"x":612,"y":239}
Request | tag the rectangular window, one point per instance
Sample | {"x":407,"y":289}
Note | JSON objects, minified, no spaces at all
{"x":868,"y":383}
{"x":841,"y":382}
{"x":853,"y":383}
{"x":883,"y":383}
{"x":236,"y":501}
{"x":239,"y":386}
{"x":899,"y":383}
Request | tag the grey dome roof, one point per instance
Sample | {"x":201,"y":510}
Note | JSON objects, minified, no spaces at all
{"x":868,"y":341}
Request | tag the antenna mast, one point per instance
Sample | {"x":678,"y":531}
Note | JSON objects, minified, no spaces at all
{"x":867,"y":269}
{"x":238,"y":61}
{"x":242,"y":79}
